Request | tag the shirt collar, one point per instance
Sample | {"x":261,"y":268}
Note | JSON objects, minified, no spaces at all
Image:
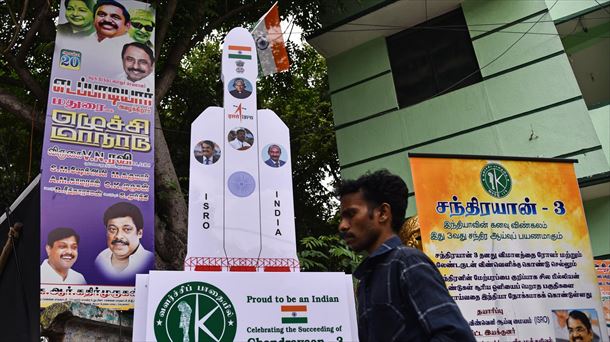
{"x":387,"y":246}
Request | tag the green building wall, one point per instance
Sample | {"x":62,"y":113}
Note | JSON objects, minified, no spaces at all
{"x":597,"y":212}
{"x":528,"y":104}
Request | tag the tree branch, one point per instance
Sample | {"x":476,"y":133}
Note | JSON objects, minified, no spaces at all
{"x":14,"y":105}
{"x":9,"y":81}
{"x":187,"y":41}
{"x":26,"y":77}
{"x":164,"y":25}
{"x":32,"y":31}
{"x":17,"y":27}
{"x":171,"y":239}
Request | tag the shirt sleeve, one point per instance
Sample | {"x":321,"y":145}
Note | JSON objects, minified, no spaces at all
{"x":423,"y":286}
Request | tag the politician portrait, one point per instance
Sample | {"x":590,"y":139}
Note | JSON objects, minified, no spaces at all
{"x":138,"y":64}
{"x":207,"y":152}
{"x":240,"y":88}
{"x":125,"y":255}
{"x":273,"y":155}
{"x":240,"y":138}
{"x":142,"y":26}
{"x":79,"y":16}
{"x":62,"y":253}
{"x":111,"y":19}
{"x":576,"y":325}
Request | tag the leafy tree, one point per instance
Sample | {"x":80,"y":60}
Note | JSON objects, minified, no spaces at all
{"x":327,"y":253}
{"x":188,"y":34}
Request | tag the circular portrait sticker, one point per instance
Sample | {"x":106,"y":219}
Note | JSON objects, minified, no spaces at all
{"x":240,"y":88}
{"x":240,"y":138}
{"x":207,"y":152}
{"x":274,"y":155}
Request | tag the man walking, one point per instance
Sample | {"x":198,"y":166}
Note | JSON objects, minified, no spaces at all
{"x":401,"y":294}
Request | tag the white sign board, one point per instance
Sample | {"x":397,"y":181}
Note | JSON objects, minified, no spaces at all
{"x":208,"y":306}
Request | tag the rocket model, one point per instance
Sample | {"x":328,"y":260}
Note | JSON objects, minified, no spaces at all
{"x":241,"y":214}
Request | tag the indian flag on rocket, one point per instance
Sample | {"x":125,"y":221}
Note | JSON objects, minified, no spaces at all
{"x":294,"y":314}
{"x":240,"y":52}
{"x":267,"y":34}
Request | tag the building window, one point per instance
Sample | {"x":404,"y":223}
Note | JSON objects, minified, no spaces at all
{"x":432,"y":57}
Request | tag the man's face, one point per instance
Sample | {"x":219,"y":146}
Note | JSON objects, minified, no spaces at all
{"x":63,"y":253}
{"x":122,"y":236}
{"x":239,"y":86}
{"x":358,"y":226}
{"x":241,"y":135}
{"x":207,"y":150}
{"x":78,"y":14}
{"x":110,"y":21}
{"x":136,"y":63}
{"x":578,"y":331}
{"x":274,"y":153}
{"x":141,"y":30}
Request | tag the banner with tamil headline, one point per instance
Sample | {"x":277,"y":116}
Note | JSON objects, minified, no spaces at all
{"x":97,"y":209}
{"x":510,"y":238}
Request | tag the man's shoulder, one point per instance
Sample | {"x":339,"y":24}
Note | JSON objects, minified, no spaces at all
{"x":77,"y":277}
{"x":143,"y":253}
{"x":408,"y":255}
{"x":103,"y":254}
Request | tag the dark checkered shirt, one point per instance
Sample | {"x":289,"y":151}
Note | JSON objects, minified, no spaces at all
{"x":402,"y":297}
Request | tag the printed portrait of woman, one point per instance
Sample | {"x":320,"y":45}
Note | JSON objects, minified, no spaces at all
{"x":79,"y":14}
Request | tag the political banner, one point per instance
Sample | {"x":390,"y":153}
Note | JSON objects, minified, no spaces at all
{"x":97,"y":199}
{"x":510,"y":238}
{"x":210,"y":306}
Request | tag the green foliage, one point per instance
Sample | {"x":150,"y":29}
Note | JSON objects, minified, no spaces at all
{"x":327,"y":253}
{"x":15,"y":158}
{"x":300,"y":97}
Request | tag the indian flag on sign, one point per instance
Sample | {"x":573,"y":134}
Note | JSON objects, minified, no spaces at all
{"x":294,"y":314}
{"x":267,"y":34}
{"x":240,"y":52}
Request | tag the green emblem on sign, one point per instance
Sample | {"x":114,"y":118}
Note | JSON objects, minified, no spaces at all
{"x":195,"y":311}
{"x":496,"y":180}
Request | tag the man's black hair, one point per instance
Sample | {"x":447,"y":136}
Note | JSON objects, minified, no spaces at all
{"x":124,"y":209}
{"x":240,"y":130}
{"x":377,"y":188}
{"x":89,"y":3}
{"x":144,"y":47}
{"x":113,"y":3}
{"x":60,"y":234}
{"x":209,"y":143}
{"x":581,"y":316}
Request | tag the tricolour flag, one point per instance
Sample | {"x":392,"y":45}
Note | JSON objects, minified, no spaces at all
{"x":267,"y":34}
{"x":240,"y":52}
{"x":294,"y":314}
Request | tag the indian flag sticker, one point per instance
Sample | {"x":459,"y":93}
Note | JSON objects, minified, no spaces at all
{"x":240,"y":52}
{"x":294,"y":314}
